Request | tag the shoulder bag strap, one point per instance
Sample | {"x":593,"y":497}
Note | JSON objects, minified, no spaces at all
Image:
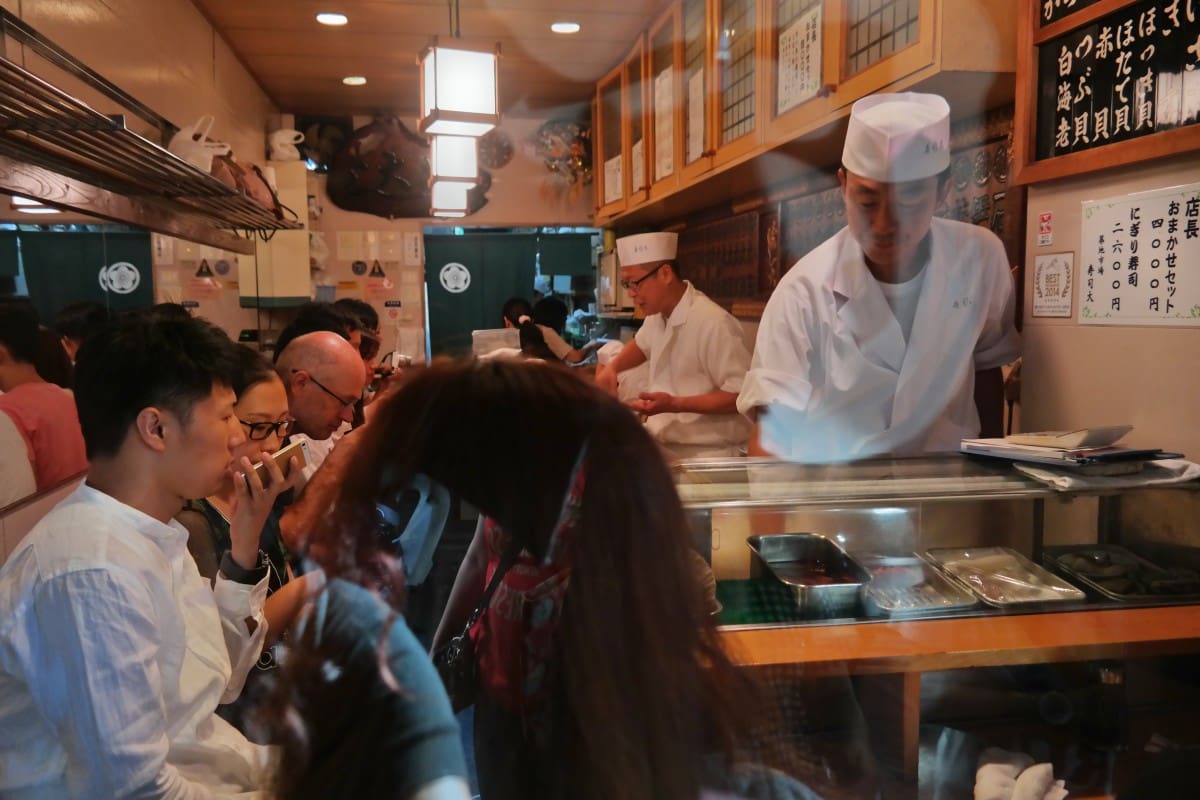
{"x":506,"y":561}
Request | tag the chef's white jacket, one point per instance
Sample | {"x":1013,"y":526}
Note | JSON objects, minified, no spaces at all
{"x":114,"y":654}
{"x":698,"y":349}
{"x":834,"y":374}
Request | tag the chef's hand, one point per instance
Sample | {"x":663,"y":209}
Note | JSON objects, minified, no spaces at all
{"x":252,"y":503}
{"x":606,"y":379}
{"x":651,"y":403}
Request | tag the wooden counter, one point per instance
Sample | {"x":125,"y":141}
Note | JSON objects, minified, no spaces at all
{"x":892,"y":655}
{"x":914,"y":646}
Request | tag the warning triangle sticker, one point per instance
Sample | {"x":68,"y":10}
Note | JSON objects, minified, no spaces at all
{"x":376,"y":271}
{"x":204,"y":270}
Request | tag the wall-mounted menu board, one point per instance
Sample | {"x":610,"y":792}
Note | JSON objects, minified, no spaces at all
{"x":721,"y":257}
{"x":1139,"y":257}
{"x":1054,"y":10}
{"x":1115,"y":83}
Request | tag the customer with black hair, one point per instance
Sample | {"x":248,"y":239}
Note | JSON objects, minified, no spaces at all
{"x":517,"y":313}
{"x":601,"y":673}
{"x":114,"y":651}
{"x":312,"y":317}
{"x":39,"y":427}
{"x":261,"y":409}
{"x":75,"y":322}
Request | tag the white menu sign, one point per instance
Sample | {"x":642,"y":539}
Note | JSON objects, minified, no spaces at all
{"x":800,"y":60}
{"x":613,"y":189}
{"x":1138,"y":259}
{"x":664,"y":123}
{"x":637,"y":171}
{"x":695,"y":120}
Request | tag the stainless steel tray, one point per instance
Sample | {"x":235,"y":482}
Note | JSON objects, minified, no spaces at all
{"x":1121,"y":575}
{"x":1002,"y":577}
{"x":825,"y":580}
{"x":907,"y":585}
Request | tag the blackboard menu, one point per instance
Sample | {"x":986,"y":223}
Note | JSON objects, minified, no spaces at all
{"x":1132,"y":73}
{"x":1054,"y":10}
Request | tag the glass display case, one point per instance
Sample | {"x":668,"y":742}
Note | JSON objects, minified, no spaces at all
{"x":905,"y":670}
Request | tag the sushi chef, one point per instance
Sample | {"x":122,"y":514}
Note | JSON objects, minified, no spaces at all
{"x":889,"y":337}
{"x":695,"y":350}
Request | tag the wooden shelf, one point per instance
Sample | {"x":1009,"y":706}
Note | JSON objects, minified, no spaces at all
{"x":930,"y":645}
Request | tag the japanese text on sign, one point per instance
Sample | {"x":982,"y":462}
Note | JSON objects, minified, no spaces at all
{"x":1132,"y":73}
{"x":1141,"y":259}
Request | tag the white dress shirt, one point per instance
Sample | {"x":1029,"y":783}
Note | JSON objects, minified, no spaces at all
{"x":697,"y":350}
{"x":114,"y":654}
{"x":837,"y":375}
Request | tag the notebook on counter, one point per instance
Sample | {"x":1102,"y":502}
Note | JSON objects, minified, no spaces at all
{"x":1083,"y":437}
{"x":1062,"y":456}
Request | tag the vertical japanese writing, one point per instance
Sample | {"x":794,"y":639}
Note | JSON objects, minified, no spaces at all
{"x":1118,"y":77}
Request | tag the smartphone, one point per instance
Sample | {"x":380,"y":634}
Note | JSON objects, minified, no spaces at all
{"x":283,"y":457}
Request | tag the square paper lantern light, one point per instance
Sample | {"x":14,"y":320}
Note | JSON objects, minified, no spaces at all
{"x":454,"y":158}
{"x":458,"y":92}
{"x":449,"y":198}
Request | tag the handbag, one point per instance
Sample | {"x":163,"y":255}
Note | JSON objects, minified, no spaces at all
{"x":455,"y":661}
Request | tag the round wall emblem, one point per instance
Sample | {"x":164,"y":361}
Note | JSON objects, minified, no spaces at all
{"x":121,"y":278}
{"x":455,"y":278}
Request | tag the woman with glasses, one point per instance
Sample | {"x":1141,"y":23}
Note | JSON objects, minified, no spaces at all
{"x":262,"y":413}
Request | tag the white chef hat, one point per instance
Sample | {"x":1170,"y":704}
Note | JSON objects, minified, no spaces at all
{"x":898,"y":137}
{"x":647,"y":248}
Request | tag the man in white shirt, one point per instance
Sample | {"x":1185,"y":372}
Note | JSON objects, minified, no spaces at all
{"x":695,"y":350}
{"x":114,"y":651}
{"x":889,"y":337}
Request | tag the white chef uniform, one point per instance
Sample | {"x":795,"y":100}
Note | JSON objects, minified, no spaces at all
{"x":833,"y":369}
{"x":698,"y":349}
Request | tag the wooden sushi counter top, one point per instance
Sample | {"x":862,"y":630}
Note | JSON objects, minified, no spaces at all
{"x":915,"y":646}
{"x":889,"y":657}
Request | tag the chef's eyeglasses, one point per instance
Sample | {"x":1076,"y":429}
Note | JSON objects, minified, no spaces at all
{"x":632,"y":286}
{"x":261,"y":430}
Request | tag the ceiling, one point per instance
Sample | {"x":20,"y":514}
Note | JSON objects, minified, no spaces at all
{"x":300,"y":63}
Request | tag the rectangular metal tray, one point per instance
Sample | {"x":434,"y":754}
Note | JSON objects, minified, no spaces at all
{"x":1002,"y":577}
{"x":799,"y":560}
{"x":1056,"y":559}
{"x":909,"y":586}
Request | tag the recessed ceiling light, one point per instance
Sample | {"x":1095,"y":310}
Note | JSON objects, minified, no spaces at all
{"x":328,"y":18}
{"x":565,"y":27}
{"x":354,"y":80}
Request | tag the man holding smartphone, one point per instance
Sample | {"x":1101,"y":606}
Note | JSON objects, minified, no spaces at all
{"x":114,"y":651}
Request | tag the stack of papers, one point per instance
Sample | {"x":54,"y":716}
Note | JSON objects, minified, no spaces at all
{"x":1087,"y":447}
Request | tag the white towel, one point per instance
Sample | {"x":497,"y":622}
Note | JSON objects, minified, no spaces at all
{"x":1166,"y":471}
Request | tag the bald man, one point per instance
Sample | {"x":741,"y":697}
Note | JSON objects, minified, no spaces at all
{"x":323,"y":374}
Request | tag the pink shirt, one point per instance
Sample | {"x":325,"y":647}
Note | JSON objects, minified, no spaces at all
{"x":45,"y":416}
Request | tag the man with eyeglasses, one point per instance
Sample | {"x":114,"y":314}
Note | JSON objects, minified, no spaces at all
{"x":889,"y":337}
{"x":323,"y":375}
{"x":697,"y":356}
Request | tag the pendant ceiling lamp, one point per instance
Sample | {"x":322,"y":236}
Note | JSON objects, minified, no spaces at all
{"x":458,"y":87}
{"x":449,"y":199}
{"x":454,"y":158}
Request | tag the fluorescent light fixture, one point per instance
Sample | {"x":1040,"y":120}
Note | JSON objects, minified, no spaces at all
{"x":354,"y":80}
{"x":565,"y":27}
{"x":450,"y":214}
{"x":458,"y":92}
{"x":454,"y":158}
{"x":329,"y":18}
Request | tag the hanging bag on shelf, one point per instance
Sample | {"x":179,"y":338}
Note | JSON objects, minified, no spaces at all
{"x":192,"y":144}
{"x":250,"y":181}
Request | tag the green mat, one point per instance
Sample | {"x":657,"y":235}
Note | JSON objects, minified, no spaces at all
{"x":755,"y":602}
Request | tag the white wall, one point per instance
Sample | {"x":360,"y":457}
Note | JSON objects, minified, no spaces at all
{"x":1076,"y":375}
